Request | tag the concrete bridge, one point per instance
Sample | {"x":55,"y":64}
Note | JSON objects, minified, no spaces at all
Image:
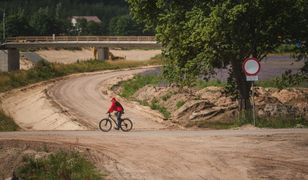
{"x":9,"y":50}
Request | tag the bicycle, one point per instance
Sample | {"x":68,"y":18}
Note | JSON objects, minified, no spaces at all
{"x":106,"y":124}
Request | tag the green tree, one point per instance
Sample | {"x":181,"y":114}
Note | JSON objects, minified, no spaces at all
{"x":17,"y":25}
{"x":45,"y":24}
{"x":81,"y":26}
{"x":94,"y":28}
{"x":124,"y":25}
{"x":200,"y":35}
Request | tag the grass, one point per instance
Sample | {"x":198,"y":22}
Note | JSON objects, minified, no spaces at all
{"x":286,"y":80}
{"x":60,"y":165}
{"x":200,"y":84}
{"x":7,"y":123}
{"x":281,"y":122}
{"x":213,"y":125}
{"x":166,"y":96}
{"x":163,"y":110}
{"x":45,"y":71}
{"x":133,"y":85}
{"x":246,"y":118}
{"x":180,"y":104}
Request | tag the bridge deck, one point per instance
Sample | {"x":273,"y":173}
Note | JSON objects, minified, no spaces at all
{"x":81,"y":41}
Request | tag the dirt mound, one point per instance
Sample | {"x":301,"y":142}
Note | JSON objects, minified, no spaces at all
{"x":211,"y":104}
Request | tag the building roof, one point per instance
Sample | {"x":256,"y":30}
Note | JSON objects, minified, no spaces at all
{"x":88,"y":18}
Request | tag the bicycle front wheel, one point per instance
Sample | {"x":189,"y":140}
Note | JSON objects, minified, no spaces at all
{"x":105,"y":125}
{"x":126,"y":125}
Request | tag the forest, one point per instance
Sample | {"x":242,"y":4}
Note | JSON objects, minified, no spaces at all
{"x":47,"y":17}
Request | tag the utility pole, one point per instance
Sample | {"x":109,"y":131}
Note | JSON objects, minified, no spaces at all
{"x":3,"y":22}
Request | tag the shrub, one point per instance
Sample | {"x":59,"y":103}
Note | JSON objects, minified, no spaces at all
{"x":180,"y":104}
{"x":166,"y":96}
{"x":61,"y":165}
{"x":7,"y":123}
{"x":156,"y":106}
{"x":133,"y":85}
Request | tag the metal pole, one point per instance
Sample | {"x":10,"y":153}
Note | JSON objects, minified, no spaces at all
{"x":253,"y":106}
{"x":3,"y":22}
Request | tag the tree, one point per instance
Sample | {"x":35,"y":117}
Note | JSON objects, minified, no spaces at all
{"x":17,"y":25}
{"x":200,"y":35}
{"x":94,"y":28}
{"x":124,"y":26}
{"x":45,"y":24}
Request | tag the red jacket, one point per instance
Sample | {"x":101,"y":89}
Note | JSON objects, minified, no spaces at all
{"x":115,"y":106}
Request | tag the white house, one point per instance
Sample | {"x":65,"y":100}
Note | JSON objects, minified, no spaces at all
{"x":88,"y":18}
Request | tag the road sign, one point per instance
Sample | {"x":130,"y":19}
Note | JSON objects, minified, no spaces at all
{"x":251,"y":66}
{"x":252,"y":78}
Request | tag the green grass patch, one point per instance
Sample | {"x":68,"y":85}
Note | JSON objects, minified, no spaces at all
{"x":180,"y":104}
{"x":213,"y":125}
{"x":200,"y":84}
{"x":7,"y":123}
{"x":281,"y":122}
{"x":133,"y":85}
{"x":45,"y":71}
{"x":246,"y":118}
{"x":60,"y":165}
{"x":286,"y":80}
{"x":166,"y":96}
{"x":163,"y":110}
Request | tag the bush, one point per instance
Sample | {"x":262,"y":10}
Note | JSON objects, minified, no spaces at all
{"x":7,"y":123}
{"x":166,"y":96}
{"x":139,"y":81}
{"x":156,"y":106}
{"x":61,"y":165}
{"x":286,"y":80}
{"x":179,"y":104}
{"x":203,"y":84}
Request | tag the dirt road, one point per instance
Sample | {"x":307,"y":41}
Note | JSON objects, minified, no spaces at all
{"x":223,"y":154}
{"x":88,"y":98}
{"x":148,"y":152}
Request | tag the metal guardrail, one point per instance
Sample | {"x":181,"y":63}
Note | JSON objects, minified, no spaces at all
{"x":23,"y":39}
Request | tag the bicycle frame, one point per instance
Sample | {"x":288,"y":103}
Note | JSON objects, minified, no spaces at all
{"x":115,"y":122}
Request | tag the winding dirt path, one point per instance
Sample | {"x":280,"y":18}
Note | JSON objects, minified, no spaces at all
{"x":88,"y":98}
{"x":149,"y":152}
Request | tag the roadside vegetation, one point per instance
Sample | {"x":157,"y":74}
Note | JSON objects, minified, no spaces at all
{"x":59,"y":165}
{"x":277,"y":122}
{"x":129,"y":88}
{"x":133,"y":85}
{"x":45,"y":71}
{"x":7,"y":123}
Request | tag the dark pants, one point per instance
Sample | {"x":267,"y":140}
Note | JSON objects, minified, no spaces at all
{"x":119,"y":114}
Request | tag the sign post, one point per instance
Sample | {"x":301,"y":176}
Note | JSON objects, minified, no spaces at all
{"x":252,"y":67}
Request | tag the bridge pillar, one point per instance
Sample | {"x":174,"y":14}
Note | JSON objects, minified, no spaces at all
{"x":101,"y":53}
{"x":9,"y":60}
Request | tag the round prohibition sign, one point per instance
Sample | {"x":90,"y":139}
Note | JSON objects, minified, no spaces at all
{"x":251,"y":66}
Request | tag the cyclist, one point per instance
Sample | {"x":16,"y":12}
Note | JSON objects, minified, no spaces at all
{"x":116,"y":106}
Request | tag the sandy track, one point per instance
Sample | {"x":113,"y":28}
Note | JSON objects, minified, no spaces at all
{"x":159,"y":154}
{"x":76,"y":102}
{"x":88,"y":99}
{"x":31,"y":109}
{"x":224,"y":154}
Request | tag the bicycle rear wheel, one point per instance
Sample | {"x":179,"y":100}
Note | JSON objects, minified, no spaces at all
{"x":126,"y":124}
{"x":105,"y":125}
